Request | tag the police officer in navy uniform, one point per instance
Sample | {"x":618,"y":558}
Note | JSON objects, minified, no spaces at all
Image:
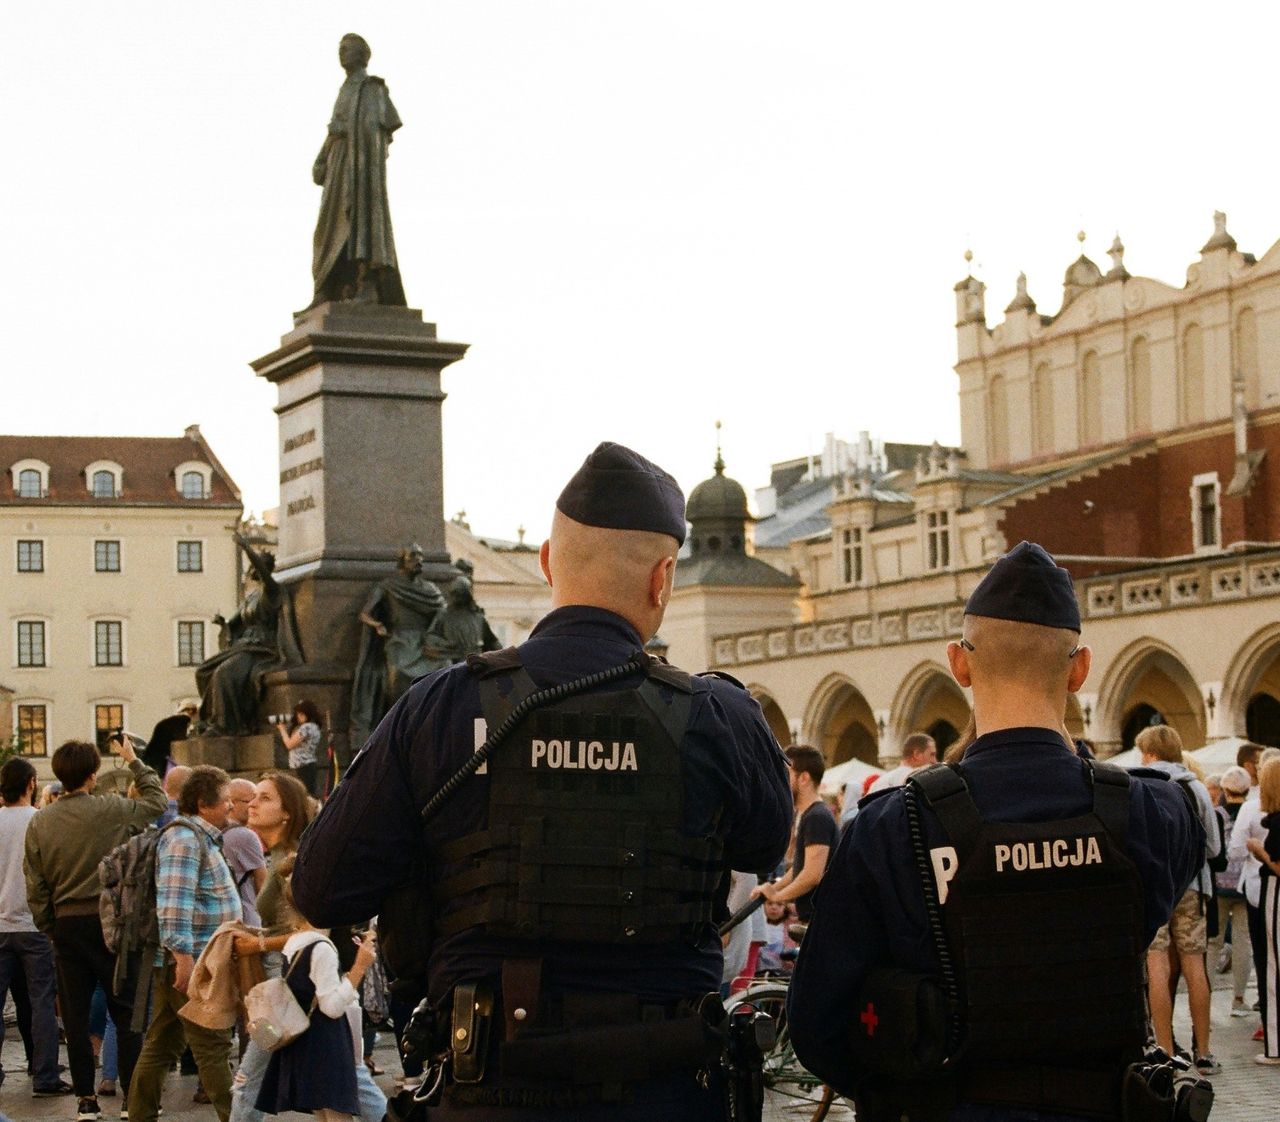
{"x":577,"y":876}
{"x":1049,"y":875}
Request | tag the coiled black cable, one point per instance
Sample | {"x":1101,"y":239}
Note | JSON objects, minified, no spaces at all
{"x":933,"y":909}
{"x":549,"y":696}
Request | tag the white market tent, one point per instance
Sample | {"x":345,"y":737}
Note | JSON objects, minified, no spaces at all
{"x":1129,"y":758}
{"x":852,"y":772}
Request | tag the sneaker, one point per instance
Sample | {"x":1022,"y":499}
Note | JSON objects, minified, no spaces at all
{"x":1270,"y":1061}
{"x":87,"y":1111}
{"x":1239,"y":1008}
{"x":1208,"y":1064}
{"x":62,"y":1087}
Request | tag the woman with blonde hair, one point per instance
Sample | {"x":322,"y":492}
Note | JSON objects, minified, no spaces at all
{"x":1268,"y":853}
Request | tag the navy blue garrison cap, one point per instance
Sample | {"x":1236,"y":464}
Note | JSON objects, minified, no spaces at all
{"x":1027,"y":586}
{"x":619,"y":489}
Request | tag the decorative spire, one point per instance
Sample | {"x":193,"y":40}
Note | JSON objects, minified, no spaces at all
{"x":1116,"y":253}
{"x":1021,"y":299}
{"x":719,"y":457}
{"x":1221,"y":239}
{"x":968,"y":259}
{"x":1081,"y":237}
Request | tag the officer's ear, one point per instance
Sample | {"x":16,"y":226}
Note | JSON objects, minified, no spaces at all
{"x":661,"y":579}
{"x":958,"y":660}
{"x":1081,"y":661}
{"x":544,"y":561}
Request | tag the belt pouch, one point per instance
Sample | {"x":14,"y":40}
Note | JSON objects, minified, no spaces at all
{"x":469,"y":1040}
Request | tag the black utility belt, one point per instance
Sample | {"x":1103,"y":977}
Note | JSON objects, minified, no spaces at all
{"x":578,"y":1064}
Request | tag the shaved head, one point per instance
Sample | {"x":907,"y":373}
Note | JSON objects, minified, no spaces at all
{"x":629,"y":572}
{"x":1020,"y":673}
{"x":174,"y":780}
{"x":1026,"y":653}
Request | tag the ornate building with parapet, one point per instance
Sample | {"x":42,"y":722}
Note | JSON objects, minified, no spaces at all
{"x":1135,"y":434}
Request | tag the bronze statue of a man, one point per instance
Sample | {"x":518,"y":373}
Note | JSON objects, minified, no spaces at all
{"x":393,"y":654}
{"x":355,"y":255}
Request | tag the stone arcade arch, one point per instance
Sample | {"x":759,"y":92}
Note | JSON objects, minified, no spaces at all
{"x":1251,"y":690}
{"x":841,"y":724}
{"x":929,"y":700}
{"x":773,"y":715}
{"x":1147,"y":684}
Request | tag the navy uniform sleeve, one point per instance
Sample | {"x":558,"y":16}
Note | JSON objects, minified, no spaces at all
{"x":364,"y":841}
{"x":1166,"y":842}
{"x":743,"y":764}
{"x":868,"y":912}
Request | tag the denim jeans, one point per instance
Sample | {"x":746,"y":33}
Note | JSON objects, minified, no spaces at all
{"x":33,"y":951}
{"x":248,"y":1082}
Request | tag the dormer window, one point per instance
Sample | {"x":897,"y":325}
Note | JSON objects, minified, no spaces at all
{"x":104,"y":479}
{"x":30,"y":479}
{"x":193,"y":479}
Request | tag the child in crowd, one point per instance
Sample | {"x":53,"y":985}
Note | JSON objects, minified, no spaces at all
{"x":317,"y":1071}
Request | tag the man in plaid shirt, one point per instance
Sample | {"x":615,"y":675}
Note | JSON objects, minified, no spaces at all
{"x":195,"y":893}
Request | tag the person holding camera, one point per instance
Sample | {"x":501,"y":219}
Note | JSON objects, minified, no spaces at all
{"x":64,"y":844}
{"x":302,"y":740}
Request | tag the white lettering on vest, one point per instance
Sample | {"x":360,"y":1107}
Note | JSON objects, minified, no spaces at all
{"x":1056,"y":854}
{"x":591,"y":755}
{"x":945,"y":861}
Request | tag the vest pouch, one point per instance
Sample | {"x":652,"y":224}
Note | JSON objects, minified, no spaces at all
{"x":899,"y":1030}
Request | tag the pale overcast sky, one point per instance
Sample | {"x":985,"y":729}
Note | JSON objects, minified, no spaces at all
{"x":642,"y":217}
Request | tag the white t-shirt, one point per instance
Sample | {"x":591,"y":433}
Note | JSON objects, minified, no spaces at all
{"x":15,"y":914}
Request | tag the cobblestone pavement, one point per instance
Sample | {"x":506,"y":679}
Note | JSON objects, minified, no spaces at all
{"x":1245,"y":1091}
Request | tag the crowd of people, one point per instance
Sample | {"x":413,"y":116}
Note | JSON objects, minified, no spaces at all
{"x":150,"y":973}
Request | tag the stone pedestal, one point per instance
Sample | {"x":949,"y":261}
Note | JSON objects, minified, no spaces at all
{"x":360,"y":478}
{"x":248,"y":756}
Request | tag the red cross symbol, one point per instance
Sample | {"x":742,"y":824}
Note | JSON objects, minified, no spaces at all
{"x":870,"y":1019}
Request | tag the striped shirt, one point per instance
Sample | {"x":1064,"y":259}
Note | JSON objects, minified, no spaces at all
{"x":195,"y":892}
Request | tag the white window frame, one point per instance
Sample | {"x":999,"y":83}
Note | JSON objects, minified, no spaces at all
{"x":31,"y":465}
{"x":852,"y":556}
{"x":48,"y":653}
{"x":117,"y":475}
{"x":44,"y":555}
{"x":936,"y":526}
{"x":177,"y":642}
{"x":93,"y":643}
{"x":93,"y":557}
{"x":1206,"y":479}
{"x":204,"y":552}
{"x":205,"y":471}
{"x":47,"y":706}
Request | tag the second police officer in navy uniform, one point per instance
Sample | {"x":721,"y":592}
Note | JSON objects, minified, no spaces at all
{"x":1039,"y":877}
{"x":576,"y":877}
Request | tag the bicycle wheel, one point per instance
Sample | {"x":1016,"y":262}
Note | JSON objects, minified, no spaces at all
{"x":791,"y":1092}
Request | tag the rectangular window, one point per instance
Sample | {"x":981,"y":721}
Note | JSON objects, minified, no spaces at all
{"x":938,"y":539}
{"x":1206,"y":513}
{"x":106,"y":720}
{"x":31,"y":642}
{"x":108,"y":643}
{"x":1208,"y":503}
{"x":190,"y":642}
{"x":31,"y":557}
{"x":851,"y":556}
{"x":190,"y":557}
{"x":106,"y":557}
{"x":33,"y":730}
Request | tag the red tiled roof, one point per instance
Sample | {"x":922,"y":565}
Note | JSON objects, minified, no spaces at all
{"x":148,"y":463}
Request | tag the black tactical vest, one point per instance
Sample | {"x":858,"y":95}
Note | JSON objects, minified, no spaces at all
{"x":1045,"y":924}
{"x":583,"y":841}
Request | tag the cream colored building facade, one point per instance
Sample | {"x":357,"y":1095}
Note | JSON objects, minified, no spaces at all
{"x":1136,"y":434}
{"x":116,"y":553}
